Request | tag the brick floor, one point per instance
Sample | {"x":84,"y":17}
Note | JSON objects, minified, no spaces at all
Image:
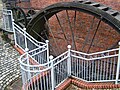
{"x":9,"y":64}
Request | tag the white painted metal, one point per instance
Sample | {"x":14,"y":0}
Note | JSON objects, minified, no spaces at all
{"x":69,"y":61}
{"x":7,"y":20}
{"x":96,"y":70}
{"x":55,"y":73}
{"x":118,"y":66}
{"x":52,"y":73}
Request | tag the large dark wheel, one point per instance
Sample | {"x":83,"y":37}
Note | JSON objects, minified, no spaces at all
{"x":87,"y":26}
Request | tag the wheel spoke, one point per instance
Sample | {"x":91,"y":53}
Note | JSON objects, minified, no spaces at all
{"x":94,"y":36}
{"x":88,"y":34}
{"x":38,"y":35}
{"x":73,"y":40}
{"x":52,"y":35}
{"x":74,"y":26}
{"x":61,"y":28}
{"x":52,"y":48}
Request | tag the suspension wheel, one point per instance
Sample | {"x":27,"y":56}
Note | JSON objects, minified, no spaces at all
{"x":87,"y":26}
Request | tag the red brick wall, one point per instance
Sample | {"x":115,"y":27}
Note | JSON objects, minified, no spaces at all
{"x":43,"y":3}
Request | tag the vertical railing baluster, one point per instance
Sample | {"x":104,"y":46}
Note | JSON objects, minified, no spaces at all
{"x":69,"y":60}
{"x":118,"y":66}
{"x":47,"y":51}
{"x":77,"y":67}
{"x":4,"y":19}
{"x":11,"y":19}
{"x":28,"y":63}
{"x":14,"y":32}
{"x":110,"y":59}
{"x":23,"y":75}
{"x":26,"y":46}
{"x":52,"y":72}
{"x":104,"y":69}
{"x":89,"y":70}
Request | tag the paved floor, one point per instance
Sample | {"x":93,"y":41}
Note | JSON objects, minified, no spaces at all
{"x":9,"y":64}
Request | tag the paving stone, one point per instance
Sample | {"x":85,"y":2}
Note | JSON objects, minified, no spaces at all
{"x":9,"y":65}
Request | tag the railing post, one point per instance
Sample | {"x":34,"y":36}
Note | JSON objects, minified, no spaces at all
{"x":26,"y":46}
{"x":52,"y":73}
{"x":22,"y":74}
{"x":4,"y":19}
{"x":47,"y":51}
{"x":69,"y":60}
{"x":118,"y":66}
{"x":14,"y":32}
{"x":28,"y":63}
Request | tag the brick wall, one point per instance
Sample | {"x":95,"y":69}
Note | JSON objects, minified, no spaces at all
{"x":43,"y":3}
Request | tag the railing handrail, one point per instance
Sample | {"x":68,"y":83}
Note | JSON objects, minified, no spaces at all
{"x":90,"y":54}
{"x":35,"y":71}
{"x":98,"y":58}
{"x":39,"y":65}
{"x":83,"y":58}
{"x":37,"y":48}
{"x":6,"y":11}
{"x":20,"y":29}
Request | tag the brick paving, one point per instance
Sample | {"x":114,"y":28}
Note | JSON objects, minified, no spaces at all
{"x":9,"y":64}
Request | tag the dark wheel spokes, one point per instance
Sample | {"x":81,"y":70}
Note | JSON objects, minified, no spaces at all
{"x":78,"y":24}
{"x":74,"y":30}
{"x":52,"y":35}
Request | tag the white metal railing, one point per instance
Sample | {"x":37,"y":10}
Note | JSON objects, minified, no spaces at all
{"x":40,"y":73}
{"x":38,"y":50}
{"x":7,"y":20}
{"x":24,"y":40}
{"x":96,"y":67}
{"x":45,"y":76}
